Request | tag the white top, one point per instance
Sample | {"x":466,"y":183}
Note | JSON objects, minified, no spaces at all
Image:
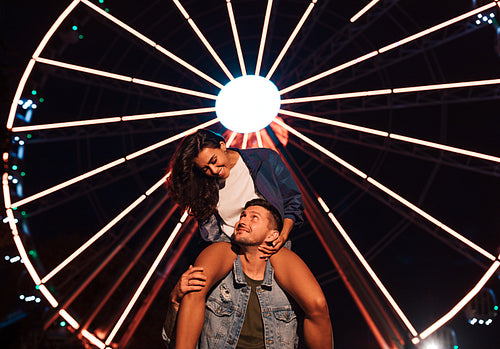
{"x":234,"y":192}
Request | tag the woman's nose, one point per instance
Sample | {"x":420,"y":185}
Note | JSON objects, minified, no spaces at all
{"x":212,"y":168}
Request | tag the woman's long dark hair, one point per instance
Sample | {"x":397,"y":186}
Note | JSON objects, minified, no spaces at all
{"x":188,"y":186}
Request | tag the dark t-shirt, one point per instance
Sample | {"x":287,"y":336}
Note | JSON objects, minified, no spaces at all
{"x":252,"y":332}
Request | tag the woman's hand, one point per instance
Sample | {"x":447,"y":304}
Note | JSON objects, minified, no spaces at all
{"x":269,"y":249}
{"x":192,"y":280}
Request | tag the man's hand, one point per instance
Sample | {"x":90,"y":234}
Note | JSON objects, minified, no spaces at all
{"x":192,"y":280}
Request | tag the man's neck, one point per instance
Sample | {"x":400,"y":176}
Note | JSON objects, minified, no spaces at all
{"x":253,"y":266}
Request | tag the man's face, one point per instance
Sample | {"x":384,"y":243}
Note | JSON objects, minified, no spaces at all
{"x":253,"y":226}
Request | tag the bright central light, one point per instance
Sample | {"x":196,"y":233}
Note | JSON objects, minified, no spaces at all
{"x":247,"y":104}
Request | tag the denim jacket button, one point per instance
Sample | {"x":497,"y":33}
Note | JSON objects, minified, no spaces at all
{"x":231,"y":341}
{"x":244,"y":290}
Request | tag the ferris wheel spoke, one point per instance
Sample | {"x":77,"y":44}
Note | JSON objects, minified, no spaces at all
{"x":290,"y":39}
{"x":367,"y":267}
{"x":236,"y":37}
{"x":460,"y":305}
{"x":113,"y":119}
{"x":259,"y":139}
{"x":111,"y":164}
{"x":388,"y":191}
{"x":125,"y":78}
{"x":117,"y":282}
{"x":148,"y":275}
{"x":203,"y":39}
{"x":263,"y":36}
{"x":388,"y":47}
{"x":152,"y":43}
{"x":231,"y":138}
{"x":363,"y":10}
{"x":105,"y":229}
{"x":393,"y":136}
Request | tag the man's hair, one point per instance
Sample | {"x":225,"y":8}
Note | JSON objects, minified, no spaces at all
{"x":275,"y":219}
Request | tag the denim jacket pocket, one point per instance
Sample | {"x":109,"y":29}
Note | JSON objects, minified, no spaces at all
{"x":286,"y":327}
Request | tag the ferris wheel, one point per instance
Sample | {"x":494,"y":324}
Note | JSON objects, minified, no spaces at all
{"x":379,"y":113}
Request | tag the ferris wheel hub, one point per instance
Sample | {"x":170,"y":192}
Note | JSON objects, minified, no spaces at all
{"x":248,"y":103}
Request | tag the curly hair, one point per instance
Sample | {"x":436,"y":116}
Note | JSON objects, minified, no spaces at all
{"x":188,"y":186}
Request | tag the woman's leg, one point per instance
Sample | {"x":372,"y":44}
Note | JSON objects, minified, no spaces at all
{"x":296,"y":279}
{"x":216,"y":260}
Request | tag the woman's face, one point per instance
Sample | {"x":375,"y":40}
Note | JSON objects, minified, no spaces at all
{"x":213,"y":162}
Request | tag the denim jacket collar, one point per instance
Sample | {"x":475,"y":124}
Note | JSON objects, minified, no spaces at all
{"x":239,"y":275}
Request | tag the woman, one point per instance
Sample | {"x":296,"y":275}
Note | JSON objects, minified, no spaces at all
{"x":214,"y":183}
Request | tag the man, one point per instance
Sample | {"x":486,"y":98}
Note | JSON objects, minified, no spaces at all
{"x":244,"y":310}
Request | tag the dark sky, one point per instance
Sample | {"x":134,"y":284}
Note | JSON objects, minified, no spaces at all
{"x":412,"y":257}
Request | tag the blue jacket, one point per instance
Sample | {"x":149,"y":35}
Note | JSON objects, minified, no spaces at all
{"x":226,"y":306}
{"x":273,"y":181}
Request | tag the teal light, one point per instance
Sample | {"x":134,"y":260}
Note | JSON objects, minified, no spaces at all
{"x":106,"y":9}
{"x":495,"y":307}
{"x":33,"y":92}
{"x":80,"y":36}
{"x":62,"y":323}
{"x":37,"y":287}
{"x":74,"y":27}
{"x":14,"y":167}
{"x":23,"y":174}
{"x":101,"y":1}
{"x":41,"y":99}
{"x":455,"y":347}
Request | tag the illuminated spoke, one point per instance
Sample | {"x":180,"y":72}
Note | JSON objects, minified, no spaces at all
{"x":393,"y":136}
{"x":329,"y":72}
{"x":231,"y":138}
{"x":388,"y":191}
{"x":387,"y":48}
{"x":370,"y":271}
{"x":101,"y":232}
{"x":460,"y":305}
{"x":290,"y":39}
{"x":143,"y":283}
{"x":363,"y":10}
{"x":111,"y":164}
{"x":125,"y":78}
{"x":431,"y":219}
{"x":263,"y":36}
{"x":259,"y":139}
{"x":152,"y":43}
{"x":336,"y":96}
{"x":203,"y":39}
{"x":245,"y":141}
{"x":236,"y":37}
{"x":113,"y":119}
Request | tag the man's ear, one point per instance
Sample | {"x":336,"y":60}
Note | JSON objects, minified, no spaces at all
{"x":222,"y":146}
{"x":273,"y":235}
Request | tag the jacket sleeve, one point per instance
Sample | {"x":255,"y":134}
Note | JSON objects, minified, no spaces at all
{"x":293,"y":204}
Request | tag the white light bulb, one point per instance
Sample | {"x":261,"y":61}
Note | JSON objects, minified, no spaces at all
{"x":247,"y":104}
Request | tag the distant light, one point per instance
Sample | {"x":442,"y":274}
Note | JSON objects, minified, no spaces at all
{"x":38,"y":300}
{"x":33,"y":253}
{"x":473,"y":321}
{"x":62,"y":323}
{"x":481,"y":321}
{"x":80,"y":36}
{"x":455,"y":347}
{"x":21,"y":296}
{"x":490,"y":21}
{"x":16,"y":138}
{"x":247,"y":104}
{"x":34,"y":106}
{"x":74,"y":27}
{"x":41,"y":100}
{"x":33,"y":92}
{"x":15,"y":181}
{"x":15,"y":259}
{"x":488,"y":322}
{"x":485,"y":18}
{"x":9,"y":177}
{"x":479,"y":15}
{"x":106,"y":9}
{"x":14,"y":167}
{"x":30,"y":298}
{"x":29,"y":136}
{"x":21,"y":142}
{"x":20,"y":102}
{"x":7,"y":258}
{"x":495,"y":307}
{"x":23,"y":174}
{"x":492,"y":15}
{"x":23,"y":213}
{"x":37,"y":287}
{"x":101,"y":1}
{"x":478,"y":22}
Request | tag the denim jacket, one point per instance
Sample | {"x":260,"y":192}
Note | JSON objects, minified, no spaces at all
{"x":225,"y":312}
{"x":273,"y":181}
